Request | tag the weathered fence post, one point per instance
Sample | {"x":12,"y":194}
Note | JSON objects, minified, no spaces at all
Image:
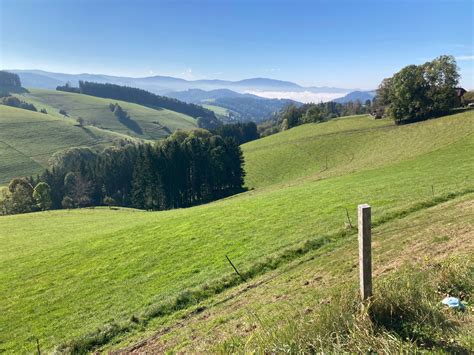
{"x":235,"y":269}
{"x":365,"y":252}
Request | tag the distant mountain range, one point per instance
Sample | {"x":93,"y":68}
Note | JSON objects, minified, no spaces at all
{"x":249,"y":99}
{"x":165,"y":84}
{"x":353,"y":96}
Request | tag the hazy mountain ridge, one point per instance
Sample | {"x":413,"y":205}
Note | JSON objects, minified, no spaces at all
{"x":353,"y":96}
{"x":165,"y":84}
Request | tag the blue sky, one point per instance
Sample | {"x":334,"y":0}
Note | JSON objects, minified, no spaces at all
{"x":351,"y":44}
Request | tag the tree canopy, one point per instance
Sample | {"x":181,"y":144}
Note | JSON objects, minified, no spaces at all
{"x":418,"y":92}
{"x":10,"y":83}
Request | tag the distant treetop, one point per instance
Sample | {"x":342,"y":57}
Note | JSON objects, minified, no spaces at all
{"x":9,"y":79}
{"x":9,"y":83}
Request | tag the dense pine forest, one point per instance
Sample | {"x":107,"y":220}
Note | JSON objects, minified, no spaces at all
{"x":186,"y":169}
{"x":241,"y":132}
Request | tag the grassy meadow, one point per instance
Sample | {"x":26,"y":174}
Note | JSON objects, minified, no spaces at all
{"x":346,"y":145}
{"x":217,"y":110}
{"x":28,"y":139}
{"x":23,"y":156}
{"x":66,"y":274}
{"x":155,"y":123}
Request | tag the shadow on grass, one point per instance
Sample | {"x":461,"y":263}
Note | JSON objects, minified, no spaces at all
{"x":131,"y":124}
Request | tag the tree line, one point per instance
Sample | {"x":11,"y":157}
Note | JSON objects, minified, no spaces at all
{"x":251,"y":108}
{"x":186,"y":169}
{"x":10,"y":83}
{"x":292,"y":115}
{"x":9,"y":79}
{"x":138,"y":96}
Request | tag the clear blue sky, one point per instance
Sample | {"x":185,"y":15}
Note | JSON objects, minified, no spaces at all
{"x":338,"y":43}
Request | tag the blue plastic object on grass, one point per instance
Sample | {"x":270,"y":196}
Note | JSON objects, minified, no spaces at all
{"x":453,"y":302}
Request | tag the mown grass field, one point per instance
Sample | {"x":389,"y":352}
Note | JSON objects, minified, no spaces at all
{"x":28,"y":139}
{"x":67,"y":273}
{"x":217,"y":110}
{"x":155,"y":124}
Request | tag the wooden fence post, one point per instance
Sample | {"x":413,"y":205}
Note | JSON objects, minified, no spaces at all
{"x":365,"y":252}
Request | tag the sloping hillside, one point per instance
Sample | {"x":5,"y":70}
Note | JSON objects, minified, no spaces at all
{"x":23,"y":155}
{"x":345,"y":145}
{"x":69,"y":273}
{"x":154,"y":124}
{"x":28,"y":139}
{"x":281,"y":310}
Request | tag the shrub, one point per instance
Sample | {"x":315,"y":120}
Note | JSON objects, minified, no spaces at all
{"x":67,"y":202}
{"x":109,"y":201}
{"x":14,"y":101}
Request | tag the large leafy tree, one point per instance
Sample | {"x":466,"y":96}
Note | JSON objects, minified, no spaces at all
{"x":442,"y":77}
{"x":21,"y":196}
{"x":408,"y":94}
{"x":420,"y":91}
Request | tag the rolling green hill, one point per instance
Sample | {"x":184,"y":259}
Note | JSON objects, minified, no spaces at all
{"x":127,"y":272}
{"x":345,"y":145}
{"x":28,"y":139}
{"x":154,"y":123}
